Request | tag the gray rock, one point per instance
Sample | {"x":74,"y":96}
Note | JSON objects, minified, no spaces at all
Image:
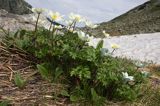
{"x":15,"y":6}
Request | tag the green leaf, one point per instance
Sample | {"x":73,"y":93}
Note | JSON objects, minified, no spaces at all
{"x":65,"y":93}
{"x":22,"y":33}
{"x":81,"y":72}
{"x":57,"y":73}
{"x":74,"y":98}
{"x":95,"y":97}
{"x":16,"y":34}
{"x":19,"y":81}
{"x":100,"y":44}
{"x":4,"y":103}
{"x":97,"y":100}
{"x":43,"y":71}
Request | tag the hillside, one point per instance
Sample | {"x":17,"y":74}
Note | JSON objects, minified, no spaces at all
{"x":15,"y":6}
{"x":142,"y":19}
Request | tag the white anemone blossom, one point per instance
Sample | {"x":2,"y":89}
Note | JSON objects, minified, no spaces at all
{"x":145,"y":73}
{"x":115,"y":46}
{"x":90,"y":24}
{"x":83,"y":36}
{"x":38,"y":10}
{"x":75,"y":17}
{"x":68,"y":22}
{"x":55,"y":16}
{"x":58,"y":27}
{"x":105,"y":34}
{"x":92,"y":43}
{"x":127,"y":77}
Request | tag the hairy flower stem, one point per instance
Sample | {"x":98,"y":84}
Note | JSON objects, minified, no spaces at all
{"x":113,"y":51}
{"x":37,"y":22}
{"x":87,"y":30}
{"x":74,"y":25}
{"x":50,"y":27}
{"x":35,"y":30}
{"x":71,"y":25}
{"x":52,"y":36}
{"x":53,"y":30}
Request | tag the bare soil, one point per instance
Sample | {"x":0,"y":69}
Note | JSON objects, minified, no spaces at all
{"x":36,"y":92}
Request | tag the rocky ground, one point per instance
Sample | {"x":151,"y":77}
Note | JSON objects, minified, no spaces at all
{"x":14,"y":22}
{"x":15,"y":6}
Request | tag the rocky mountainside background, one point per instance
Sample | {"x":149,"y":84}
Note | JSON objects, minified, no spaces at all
{"x":13,"y":22}
{"x":142,"y":19}
{"x":15,"y":6}
{"x":11,"y":18}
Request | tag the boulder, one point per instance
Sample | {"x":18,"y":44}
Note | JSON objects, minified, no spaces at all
{"x":15,"y":6}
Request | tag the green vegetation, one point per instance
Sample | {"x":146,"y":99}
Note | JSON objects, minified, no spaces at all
{"x":19,"y":81}
{"x":4,"y":103}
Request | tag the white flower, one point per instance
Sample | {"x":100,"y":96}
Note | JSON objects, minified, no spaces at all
{"x":38,"y":10}
{"x":75,"y":31}
{"x":71,"y":29}
{"x":58,"y":27}
{"x":105,"y":34}
{"x":90,"y":24}
{"x":58,"y":33}
{"x":92,"y":43}
{"x":115,"y":46}
{"x":68,"y":22}
{"x":83,"y":36}
{"x":127,"y":77}
{"x":139,"y":64}
{"x":94,"y":26}
{"x":75,"y":17}
{"x":55,"y":16}
{"x":90,"y":38}
{"x":145,"y":73}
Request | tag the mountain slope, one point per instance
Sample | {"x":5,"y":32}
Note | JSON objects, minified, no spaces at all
{"x":15,"y":6}
{"x":142,"y":19}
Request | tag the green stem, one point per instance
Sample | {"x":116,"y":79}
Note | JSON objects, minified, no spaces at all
{"x":50,"y":27}
{"x":52,"y":36}
{"x":113,"y":51}
{"x":53,"y":30}
{"x":74,"y":25}
{"x":71,"y":25}
{"x":37,"y":23}
{"x":35,"y":35}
